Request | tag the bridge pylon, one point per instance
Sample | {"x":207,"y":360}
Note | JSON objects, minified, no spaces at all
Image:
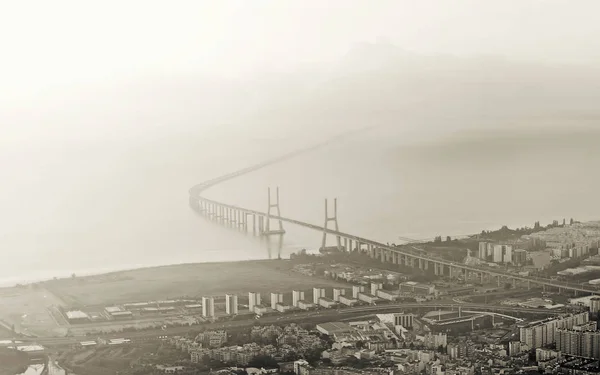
{"x":329,"y":219}
{"x":273,"y":205}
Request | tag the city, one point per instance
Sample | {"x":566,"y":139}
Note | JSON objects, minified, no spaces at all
{"x":300,"y":187}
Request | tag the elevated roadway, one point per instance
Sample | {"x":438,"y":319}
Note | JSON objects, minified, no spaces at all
{"x":377,"y":249}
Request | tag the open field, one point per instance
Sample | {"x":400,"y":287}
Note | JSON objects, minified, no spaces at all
{"x":28,"y":308}
{"x":186,"y":280}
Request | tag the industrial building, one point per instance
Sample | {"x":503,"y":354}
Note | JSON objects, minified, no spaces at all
{"x":208,"y":307}
{"x":332,"y":328}
{"x":417,"y":288}
{"x":231,"y":304}
{"x":34,"y":352}
{"x":116,"y":312}
{"x":157,"y":310}
{"x":397,"y":319}
{"x":77,"y":316}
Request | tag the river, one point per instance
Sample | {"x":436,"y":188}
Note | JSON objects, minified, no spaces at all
{"x":96,"y":207}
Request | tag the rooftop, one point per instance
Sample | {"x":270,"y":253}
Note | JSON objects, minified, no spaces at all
{"x":113,"y":309}
{"x":77,"y":314}
{"x":31,"y":348}
{"x":335,"y":327}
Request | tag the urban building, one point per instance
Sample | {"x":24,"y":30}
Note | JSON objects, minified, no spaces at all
{"x":581,"y":343}
{"x":231,"y":304}
{"x":417,"y":288}
{"x":397,"y":319}
{"x":260,"y":309}
{"x":275,"y":299}
{"x":387,"y":294}
{"x":541,"y":333}
{"x":297,"y":296}
{"x":595,"y":305}
{"x":375,"y":287}
{"x":283,"y":308}
{"x":305,"y":305}
{"x":327,"y":303}
{"x":348,"y":301}
{"x":519,"y":257}
{"x":337,"y":292}
{"x":208,"y":307}
{"x":318,"y":293}
{"x":356,"y":289}
{"x":368,"y":298}
{"x":211,"y":339}
{"x":515,"y":348}
{"x":77,"y":316}
{"x":253,"y":300}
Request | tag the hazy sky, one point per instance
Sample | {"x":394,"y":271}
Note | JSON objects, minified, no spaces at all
{"x":61,"y":41}
{"x":50,"y":47}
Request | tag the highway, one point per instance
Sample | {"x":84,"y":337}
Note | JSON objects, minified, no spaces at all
{"x":312,"y":316}
{"x":196,"y":191}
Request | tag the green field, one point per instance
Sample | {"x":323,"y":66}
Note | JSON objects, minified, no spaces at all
{"x":187,"y":280}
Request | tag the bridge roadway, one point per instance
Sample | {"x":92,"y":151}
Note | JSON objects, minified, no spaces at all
{"x":321,"y":315}
{"x":195,"y":194}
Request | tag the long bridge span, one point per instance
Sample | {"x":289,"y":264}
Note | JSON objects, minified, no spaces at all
{"x":259,"y":223}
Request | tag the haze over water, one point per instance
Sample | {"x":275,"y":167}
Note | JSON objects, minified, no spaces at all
{"x":478,"y":125}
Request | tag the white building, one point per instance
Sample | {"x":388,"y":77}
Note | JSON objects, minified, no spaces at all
{"x":231,"y":304}
{"x":297,"y":296}
{"x":208,"y":307}
{"x":253,"y":300}
{"x":305,"y":305}
{"x":275,"y":299}
{"x":327,"y":303}
{"x":318,"y":293}
{"x":356,"y":289}
{"x":348,"y":301}
{"x":337,"y":292}
{"x":375,"y":287}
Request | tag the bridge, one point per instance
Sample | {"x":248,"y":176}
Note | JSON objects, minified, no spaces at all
{"x":260,"y":225}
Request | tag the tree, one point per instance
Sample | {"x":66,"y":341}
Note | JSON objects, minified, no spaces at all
{"x":448,"y":238}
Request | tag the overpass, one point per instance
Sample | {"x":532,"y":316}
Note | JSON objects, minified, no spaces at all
{"x":260,"y":225}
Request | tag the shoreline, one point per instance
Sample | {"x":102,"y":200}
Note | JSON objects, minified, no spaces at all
{"x":14,"y":282}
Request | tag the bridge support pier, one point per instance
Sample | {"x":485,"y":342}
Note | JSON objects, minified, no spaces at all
{"x":267,"y":230}
{"x":335,"y":226}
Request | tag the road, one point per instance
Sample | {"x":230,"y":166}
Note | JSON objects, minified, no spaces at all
{"x":309,"y":316}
